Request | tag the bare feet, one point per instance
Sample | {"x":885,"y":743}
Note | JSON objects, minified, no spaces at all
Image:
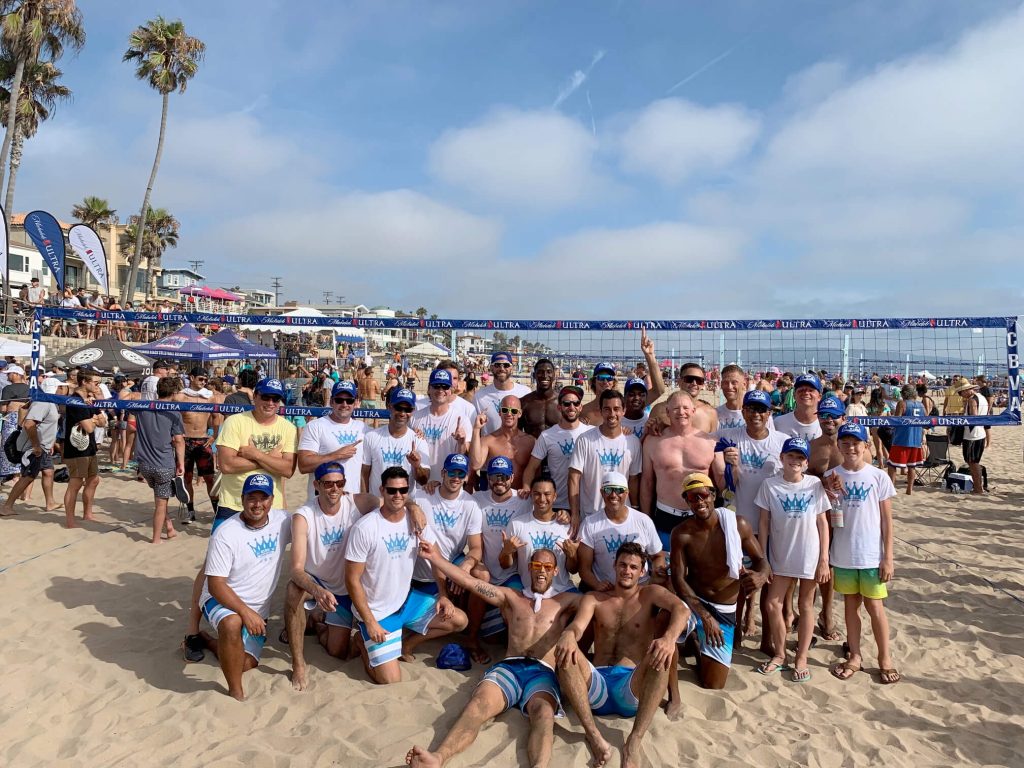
{"x":52,"y":507}
{"x":630,"y":755}
{"x":171,"y":534}
{"x":299,"y":677}
{"x":407,"y":657}
{"x":418,"y":756}
{"x":673,"y":709}
{"x":238,"y":695}
{"x":600,"y":749}
{"x":88,"y":516}
{"x":7,"y":511}
{"x":479,"y":655}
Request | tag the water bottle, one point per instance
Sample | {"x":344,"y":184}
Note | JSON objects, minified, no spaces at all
{"x":836,"y":516}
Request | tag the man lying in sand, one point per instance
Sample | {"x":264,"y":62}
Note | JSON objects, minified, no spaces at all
{"x":243,"y":564}
{"x":526,"y":677}
{"x":632,"y":665}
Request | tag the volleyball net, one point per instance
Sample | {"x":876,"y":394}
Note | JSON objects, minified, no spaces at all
{"x":861,"y":350}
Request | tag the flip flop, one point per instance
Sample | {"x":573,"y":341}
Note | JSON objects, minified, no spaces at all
{"x":801,"y":675}
{"x":480,"y":656}
{"x":890,"y":676}
{"x":181,"y":490}
{"x":828,"y":636}
{"x":845,"y":671}
{"x":770,"y":666}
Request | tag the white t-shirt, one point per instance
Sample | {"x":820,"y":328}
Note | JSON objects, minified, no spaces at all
{"x":605,"y":537}
{"x":793,"y":509}
{"x":497,"y":518}
{"x":596,"y":454}
{"x":488,"y":400}
{"x":381,"y":450}
{"x":453,"y":521}
{"x":250,"y":559}
{"x":537,"y":534}
{"x":556,"y":444}
{"x":148,"y":387}
{"x":637,"y":425}
{"x":758,"y":459}
{"x":325,"y":435}
{"x":325,"y":541}
{"x":790,"y":427}
{"x":437,"y":433}
{"x":389,"y":551}
{"x":730,"y":419}
{"x":858,"y":544}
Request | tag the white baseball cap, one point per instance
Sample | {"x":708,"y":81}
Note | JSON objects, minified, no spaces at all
{"x":614,"y":478}
{"x":15,"y":369}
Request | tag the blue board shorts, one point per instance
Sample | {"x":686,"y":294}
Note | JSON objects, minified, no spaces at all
{"x":215,"y":613}
{"x":416,"y":613}
{"x":726,"y":622}
{"x":520,"y":679}
{"x":611,"y":692}
{"x":341,"y":616}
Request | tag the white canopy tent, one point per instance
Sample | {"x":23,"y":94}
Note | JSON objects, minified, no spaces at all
{"x":926,"y":374}
{"x":15,"y":348}
{"x":347,"y":333}
{"x":427,"y":349}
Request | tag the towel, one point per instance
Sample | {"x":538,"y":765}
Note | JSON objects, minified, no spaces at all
{"x":721,"y":445}
{"x":733,"y":545}
{"x":204,"y":392}
{"x":537,"y":598}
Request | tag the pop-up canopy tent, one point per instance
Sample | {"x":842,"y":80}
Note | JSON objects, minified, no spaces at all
{"x":251,"y":349}
{"x":187,"y":343}
{"x":352,"y":335}
{"x":107,"y":353}
{"x":14,"y":348}
{"x":427,"y":349}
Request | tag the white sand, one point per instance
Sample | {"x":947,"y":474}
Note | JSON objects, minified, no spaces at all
{"x":93,"y":675}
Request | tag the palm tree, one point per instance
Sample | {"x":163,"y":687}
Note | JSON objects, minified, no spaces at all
{"x":167,"y":58}
{"x":421,"y":312}
{"x":161,"y":232}
{"x":29,"y":28}
{"x":94,"y":211}
{"x":40,"y":93}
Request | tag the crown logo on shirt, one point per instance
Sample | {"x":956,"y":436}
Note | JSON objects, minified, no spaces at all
{"x":794,"y":506}
{"x":638,"y":431}
{"x":266,"y":443}
{"x":345,"y":438}
{"x":752,"y":459}
{"x":396,"y":543}
{"x":567,"y":447}
{"x":497,"y":518}
{"x":266,"y":545}
{"x":332,"y":537}
{"x":433,"y":434}
{"x":614,"y":542}
{"x":857,"y":491}
{"x":393,"y":458}
{"x":444,"y":519}
{"x":732,"y":423}
{"x":544,"y":540}
{"x":610,"y":459}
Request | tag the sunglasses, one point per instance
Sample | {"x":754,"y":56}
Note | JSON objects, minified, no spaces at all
{"x":401,"y":408}
{"x":441,"y":386}
{"x":501,"y":365}
{"x":697,"y":496}
{"x":755,"y":409}
{"x":693,"y":379}
{"x":513,"y":411}
{"x":270,"y":398}
{"x":404,"y":490}
{"x":332,"y":483}
{"x":605,"y":378}
{"x":829,"y":417}
{"x":570,"y":403}
{"x":455,"y":473}
{"x":610,"y":489}
{"x":343,"y":401}
{"x":501,"y":476}
{"x":536,"y":565}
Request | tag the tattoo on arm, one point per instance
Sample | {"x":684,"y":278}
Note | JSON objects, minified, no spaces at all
{"x":486,"y":590}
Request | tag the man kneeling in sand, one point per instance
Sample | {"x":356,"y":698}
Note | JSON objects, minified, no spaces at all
{"x":243,"y":564}
{"x":526,"y":677}
{"x":632,"y":665}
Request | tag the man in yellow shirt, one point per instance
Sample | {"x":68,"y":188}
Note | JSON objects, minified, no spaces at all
{"x":953,"y":404}
{"x":257,"y":441}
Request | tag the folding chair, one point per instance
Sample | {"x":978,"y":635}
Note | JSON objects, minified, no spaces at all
{"x":937,"y":465}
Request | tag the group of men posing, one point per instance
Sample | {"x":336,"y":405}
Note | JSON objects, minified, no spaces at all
{"x":475,"y":517}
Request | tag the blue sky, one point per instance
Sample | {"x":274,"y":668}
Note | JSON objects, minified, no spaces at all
{"x":583,"y":159}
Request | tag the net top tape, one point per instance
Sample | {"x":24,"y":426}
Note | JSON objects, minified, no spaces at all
{"x":285,"y":322}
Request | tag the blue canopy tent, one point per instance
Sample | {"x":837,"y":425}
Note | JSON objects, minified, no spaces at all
{"x":250,"y":349}
{"x":187,"y":343}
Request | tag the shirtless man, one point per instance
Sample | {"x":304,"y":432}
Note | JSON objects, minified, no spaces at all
{"x":825,"y":456}
{"x":680,"y":449}
{"x":707,"y":581}
{"x":506,"y":440}
{"x":198,"y":454}
{"x":369,"y":390}
{"x":540,"y":407}
{"x":691,"y":382}
{"x":526,"y":677}
{"x":631,"y":665}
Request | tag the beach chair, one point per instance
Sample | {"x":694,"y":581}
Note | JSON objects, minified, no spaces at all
{"x":937,"y":465}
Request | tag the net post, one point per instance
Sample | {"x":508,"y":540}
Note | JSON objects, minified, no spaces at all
{"x":1012,"y":370}
{"x":37,"y":343}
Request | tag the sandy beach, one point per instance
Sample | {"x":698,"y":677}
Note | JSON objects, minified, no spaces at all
{"x":94,"y":677}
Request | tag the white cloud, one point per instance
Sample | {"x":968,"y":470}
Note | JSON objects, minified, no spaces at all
{"x":673,"y":139}
{"x":534,"y":159}
{"x":815,"y":83}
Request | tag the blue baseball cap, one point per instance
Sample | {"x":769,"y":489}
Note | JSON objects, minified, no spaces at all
{"x":456,"y":461}
{"x":258,"y":482}
{"x":604,"y":369}
{"x":454,"y":656}
{"x":440,"y":376}
{"x":270,"y":386}
{"x":499,"y":465}
{"x":403,"y":395}
{"x":501,"y":357}
{"x":797,"y":444}
{"x":832,"y":406}
{"x":807,"y":380}
{"x":853,"y":430}
{"x":328,"y":468}
{"x":758,"y":397}
{"x":635,"y":381}
{"x":344,"y":387}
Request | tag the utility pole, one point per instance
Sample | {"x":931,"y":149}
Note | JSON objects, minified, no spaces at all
{"x":196,"y":264}
{"x":327,"y":297}
{"x":275,"y":283}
